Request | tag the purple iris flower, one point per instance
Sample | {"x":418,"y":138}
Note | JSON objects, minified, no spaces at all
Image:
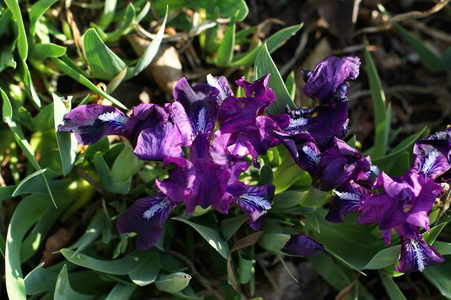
{"x":302,"y":245}
{"x":199,"y":180}
{"x":200,"y":103}
{"x":432,"y":156}
{"x":146,"y":217}
{"x":304,"y":150}
{"x":328,"y":82}
{"x":404,"y":199}
{"x":323,"y":123}
{"x":150,"y":128}
{"x":248,"y":130}
{"x":341,"y":164}
{"x":416,"y":255}
{"x":347,"y":200}
{"x":255,"y":201}
{"x":91,"y":122}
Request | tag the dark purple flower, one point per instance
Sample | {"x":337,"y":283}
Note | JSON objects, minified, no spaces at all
{"x":341,"y":164}
{"x":346,"y":200}
{"x":304,"y":150}
{"x":255,"y":201}
{"x":200,"y":103}
{"x":91,"y":122}
{"x":416,"y":255}
{"x":328,"y":82}
{"x":432,"y":156}
{"x":146,"y":217}
{"x":302,"y":245}
{"x":323,"y":123}
{"x":404,"y":199}
{"x":222,"y":85}
{"x":199,"y":180}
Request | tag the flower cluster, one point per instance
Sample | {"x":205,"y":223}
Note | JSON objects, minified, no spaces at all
{"x":218,"y":130}
{"x":398,"y":203}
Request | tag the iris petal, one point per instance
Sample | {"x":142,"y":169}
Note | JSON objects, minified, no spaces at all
{"x":146,"y":217}
{"x":302,"y":245}
{"x":91,"y":122}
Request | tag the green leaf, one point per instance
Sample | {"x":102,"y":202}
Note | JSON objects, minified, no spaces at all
{"x":173,"y":283}
{"x":273,"y":43}
{"x":147,"y":271}
{"x":126,"y":24}
{"x":316,"y":198}
{"x":225,"y":51}
{"x":25,"y":215}
{"x":392,"y":289}
{"x":121,"y":266}
{"x":287,"y":199}
{"x":104,"y":63}
{"x":17,"y":191}
{"x":433,"y":233}
{"x":150,"y":53}
{"x":20,"y":139}
{"x":381,"y":114}
{"x":440,"y":277}
{"x":91,"y":233}
{"x":245,"y":269}
{"x":121,"y":291}
{"x":109,"y":11}
{"x":36,"y":12}
{"x":210,"y":235}
{"x":384,"y":258}
{"x":67,"y":142}
{"x":265,"y":65}
{"x":233,"y":8}
{"x":287,"y":174}
{"x":273,"y":242}
{"x":6,"y":192}
{"x":74,"y":74}
{"x":7,"y":57}
{"x":229,"y":226}
{"x":22,"y":44}
{"x":291,"y":85}
{"x":125,"y":166}
{"x":40,"y":52}
{"x":63,"y":290}
{"x":442,"y":247}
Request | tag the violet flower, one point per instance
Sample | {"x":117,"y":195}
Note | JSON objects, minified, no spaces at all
{"x":347,"y":200}
{"x":328,"y":82}
{"x":416,"y":255}
{"x":404,"y":199}
{"x":432,"y":156}
{"x":146,"y":217}
{"x":255,"y":201}
{"x":302,"y":245}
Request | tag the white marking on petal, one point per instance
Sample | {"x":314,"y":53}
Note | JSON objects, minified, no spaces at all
{"x":312,"y":154}
{"x":202,"y":120}
{"x":256,"y":201}
{"x":429,"y":161}
{"x":157,"y":208}
{"x":112,"y":116}
{"x":418,"y":255}
{"x":213,"y":81}
{"x":375,"y":169}
{"x":296,"y":123}
{"x":347,"y":196}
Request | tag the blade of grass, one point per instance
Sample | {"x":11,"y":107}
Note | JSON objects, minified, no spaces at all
{"x":265,"y":65}
{"x":381,"y":113}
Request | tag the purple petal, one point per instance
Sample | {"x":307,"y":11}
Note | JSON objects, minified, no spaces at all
{"x":346,"y":200}
{"x":302,"y":245}
{"x":200,"y":104}
{"x":146,"y":217}
{"x":159,"y":142}
{"x":255,"y":201}
{"x":145,"y":116}
{"x":322,"y":122}
{"x":432,"y":155}
{"x":258,"y":89}
{"x":210,"y":187}
{"x":180,"y":182}
{"x":222,"y":85}
{"x":417,"y":255}
{"x":327,"y":82}
{"x":91,"y":122}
